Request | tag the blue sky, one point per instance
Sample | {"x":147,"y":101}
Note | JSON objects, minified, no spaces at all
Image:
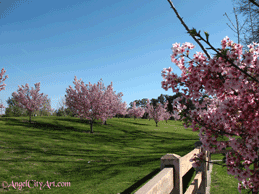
{"x":124,"y":42}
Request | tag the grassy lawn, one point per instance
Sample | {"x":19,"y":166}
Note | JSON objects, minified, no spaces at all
{"x":119,"y":157}
{"x":221,"y":181}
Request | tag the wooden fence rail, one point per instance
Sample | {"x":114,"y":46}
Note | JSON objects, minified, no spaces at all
{"x":173,"y":168}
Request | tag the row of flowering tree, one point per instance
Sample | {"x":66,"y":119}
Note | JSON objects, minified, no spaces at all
{"x":92,"y":102}
{"x":158,"y":113}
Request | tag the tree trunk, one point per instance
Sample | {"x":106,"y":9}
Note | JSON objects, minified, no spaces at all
{"x":156,"y":123}
{"x":166,"y":121}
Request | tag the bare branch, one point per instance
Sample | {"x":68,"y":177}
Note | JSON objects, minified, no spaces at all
{"x":251,"y":21}
{"x":229,"y":20}
{"x":231,"y":28}
{"x":249,"y":10}
{"x":237,"y":25}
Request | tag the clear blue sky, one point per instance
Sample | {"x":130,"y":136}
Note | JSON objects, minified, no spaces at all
{"x":124,"y":42}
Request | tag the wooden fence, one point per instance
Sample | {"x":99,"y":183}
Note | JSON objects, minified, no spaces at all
{"x":173,"y":168}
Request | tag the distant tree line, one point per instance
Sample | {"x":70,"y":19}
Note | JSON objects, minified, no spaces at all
{"x":162,"y":100}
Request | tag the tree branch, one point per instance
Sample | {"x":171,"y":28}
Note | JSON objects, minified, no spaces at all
{"x":193,"y":33}
{"x":188,"y":30}
{"x":252,"y":1}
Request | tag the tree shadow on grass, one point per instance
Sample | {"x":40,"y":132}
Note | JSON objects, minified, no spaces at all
{"x":39,"y":125}
{"x":141,"y":181}
{"x":102,"y":135}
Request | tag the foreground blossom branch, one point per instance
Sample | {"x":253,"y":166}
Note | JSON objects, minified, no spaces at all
{"x":234,"y":109}
{"x":217,"y":109}
{"x":193,"y":33}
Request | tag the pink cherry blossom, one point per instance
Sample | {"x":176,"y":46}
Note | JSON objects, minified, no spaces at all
{"x":93,"y":102}
{"x":233,"y":112}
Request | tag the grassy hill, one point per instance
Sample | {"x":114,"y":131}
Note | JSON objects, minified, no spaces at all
{"x":118,"y":157}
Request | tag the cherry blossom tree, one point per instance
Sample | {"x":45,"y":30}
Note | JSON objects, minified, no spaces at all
{"x":136,"y":112}
{"x":148,"y":112}
{"x":2,"y":87}
{"x":167,"y":116}
{"x":111,"y":104}
{"x":114,"y":105}
{"x":122,"y":110}
{"x":31,"y":104}
{"x":92,"y":102}
{"x":157,"y":113}
{"x":121,"y":107}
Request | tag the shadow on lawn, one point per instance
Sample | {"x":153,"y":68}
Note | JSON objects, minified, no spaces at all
{"x":76,"y":120}
{"x":43,"y":125}
{"x":141,"y":181}
{"x":38,"y":124}
{"x":133,"y":133}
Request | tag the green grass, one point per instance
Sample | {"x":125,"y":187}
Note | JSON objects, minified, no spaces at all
{"x":119,"y":157}
{"x":221,"y":181}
